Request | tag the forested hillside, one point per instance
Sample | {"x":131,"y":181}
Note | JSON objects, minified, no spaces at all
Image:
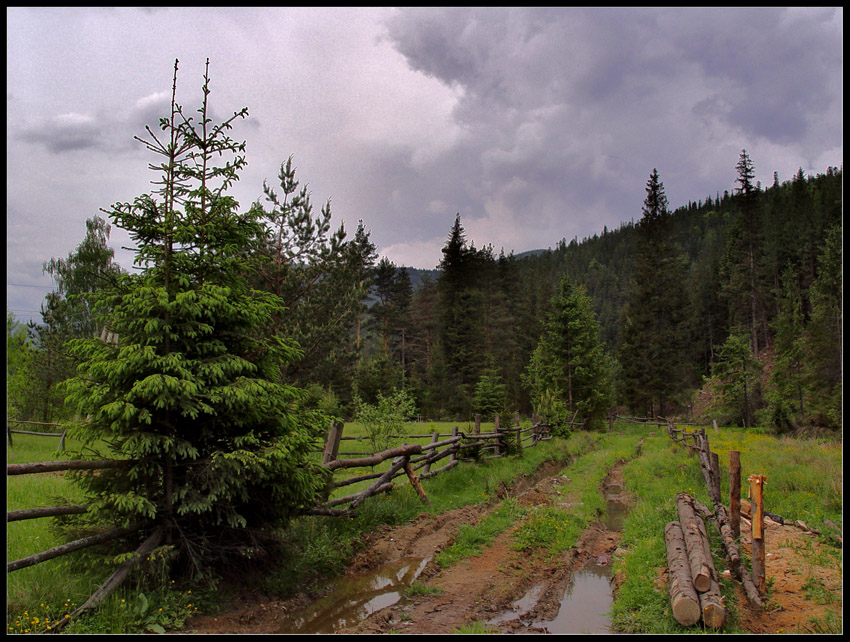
{"x":737,"y":294}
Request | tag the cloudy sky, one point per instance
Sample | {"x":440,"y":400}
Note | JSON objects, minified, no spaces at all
{"x":533,"y":124}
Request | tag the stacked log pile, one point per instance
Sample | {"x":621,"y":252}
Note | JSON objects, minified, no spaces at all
{"x":693,"y":583}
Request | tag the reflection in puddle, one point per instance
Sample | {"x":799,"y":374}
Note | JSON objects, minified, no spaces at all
{"x":520,"y":606}
{"x":585,"y":605}
{"x":587,"y":601}
{"x":615,"y":514}
{"x":356,"y":597}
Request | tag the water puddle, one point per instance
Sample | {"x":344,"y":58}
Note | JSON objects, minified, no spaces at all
{"x":520,"y":606}
{"x":586,"y":602}
{"x":356,"y":597}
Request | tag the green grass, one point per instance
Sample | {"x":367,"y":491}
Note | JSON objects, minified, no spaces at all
{"x":39,"y":596}
{"x":804,"y":482}
{"x":472,"y":538}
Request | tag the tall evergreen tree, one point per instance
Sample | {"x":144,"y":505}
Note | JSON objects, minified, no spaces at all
{"x":824,"y":337}
{"x":570,"y":360}
{"x":190,"y":393}
{"x":461,"y":307}
{"x":318,"y":274}
{"x":745,"y":265}
{"x":653,"y":334}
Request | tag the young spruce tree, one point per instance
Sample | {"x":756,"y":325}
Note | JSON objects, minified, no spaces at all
{"x":189,"y":392}
{"x":570,"y":360}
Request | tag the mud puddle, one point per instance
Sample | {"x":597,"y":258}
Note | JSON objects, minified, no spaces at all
{"x":355,"y":597}
{"x":585,"y":603}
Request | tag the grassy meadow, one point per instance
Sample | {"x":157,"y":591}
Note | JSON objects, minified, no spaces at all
{"x":804,"y":482}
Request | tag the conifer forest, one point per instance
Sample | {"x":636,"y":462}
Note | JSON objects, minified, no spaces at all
{"x":210,"y":371}
{"x":737,"y":295}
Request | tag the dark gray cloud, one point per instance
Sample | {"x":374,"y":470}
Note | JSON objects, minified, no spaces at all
{"x":535,"y":124}
{"x":64,"y":133}
{"x":569,"y":110}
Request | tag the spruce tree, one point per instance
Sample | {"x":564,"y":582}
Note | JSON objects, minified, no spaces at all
{"x":570,"y":359}
{"x":189,"y":391}
{"x":824,"y":337}
{"x":653,"y":333}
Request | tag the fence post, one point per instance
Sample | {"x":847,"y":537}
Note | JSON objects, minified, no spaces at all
{"x":332,"y":445}
{"x":9,"y":430}
{"x":453,"y":456}
{"x":477,"y":424}
{"x":518,"y":433}
{"x":434,"y":438}
{"x":498,"y":439}
{"x":61,"y":445}
{"x":757,"y":483}
{"x":735,"y":493}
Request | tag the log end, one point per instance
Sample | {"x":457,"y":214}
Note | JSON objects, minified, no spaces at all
{"x":702,"y":581}
{"x":685,"y":610}
{"x":714,"y":615}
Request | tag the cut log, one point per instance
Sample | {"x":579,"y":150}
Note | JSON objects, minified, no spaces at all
{"x":683,"y":595}
{"x":733,"y":556}
{"x":711,"y":605}
{"x":696,"y":543}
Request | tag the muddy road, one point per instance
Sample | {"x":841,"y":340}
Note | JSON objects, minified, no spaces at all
{"x":504,"y":589}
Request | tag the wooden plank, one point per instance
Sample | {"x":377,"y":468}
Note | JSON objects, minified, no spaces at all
{"x":50,"y":511}
{"x":73,"y":546}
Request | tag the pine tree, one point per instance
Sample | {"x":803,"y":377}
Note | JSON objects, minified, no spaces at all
{"x":318,"y":274}
{"x":745,"y":264}
{"x":570,"y":359}
{"x":784,"y":395}
{"x":653,"y":335}
{"x":738,"y":372}
{"x":461,"y":309}
{"x":190,"y":390}
{"x":824,"y":337}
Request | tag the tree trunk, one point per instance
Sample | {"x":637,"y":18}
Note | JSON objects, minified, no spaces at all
{"x":683,"y":595}
{"x":696,"y":542}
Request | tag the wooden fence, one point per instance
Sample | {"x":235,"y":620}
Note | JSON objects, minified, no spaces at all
{"x":697,"y":443}
{"x":61,"y":435}
{"x":407,"y":459}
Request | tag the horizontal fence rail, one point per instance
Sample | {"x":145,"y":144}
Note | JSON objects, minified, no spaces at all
{"x":415,"y":461}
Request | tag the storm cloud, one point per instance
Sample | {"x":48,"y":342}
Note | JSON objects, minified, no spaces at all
{"x":535,"y":124}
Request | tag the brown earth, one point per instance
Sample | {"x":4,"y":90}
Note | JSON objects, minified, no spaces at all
{"x":484,"y":586}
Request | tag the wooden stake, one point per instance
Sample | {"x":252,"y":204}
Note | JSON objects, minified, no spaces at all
{"x":332,"y":445}
{"x":414,"y":481}
{"x":757,"y":483}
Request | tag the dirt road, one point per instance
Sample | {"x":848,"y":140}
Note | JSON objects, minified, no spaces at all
{"x":475,"y":589}
{"x":507,"y":590}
